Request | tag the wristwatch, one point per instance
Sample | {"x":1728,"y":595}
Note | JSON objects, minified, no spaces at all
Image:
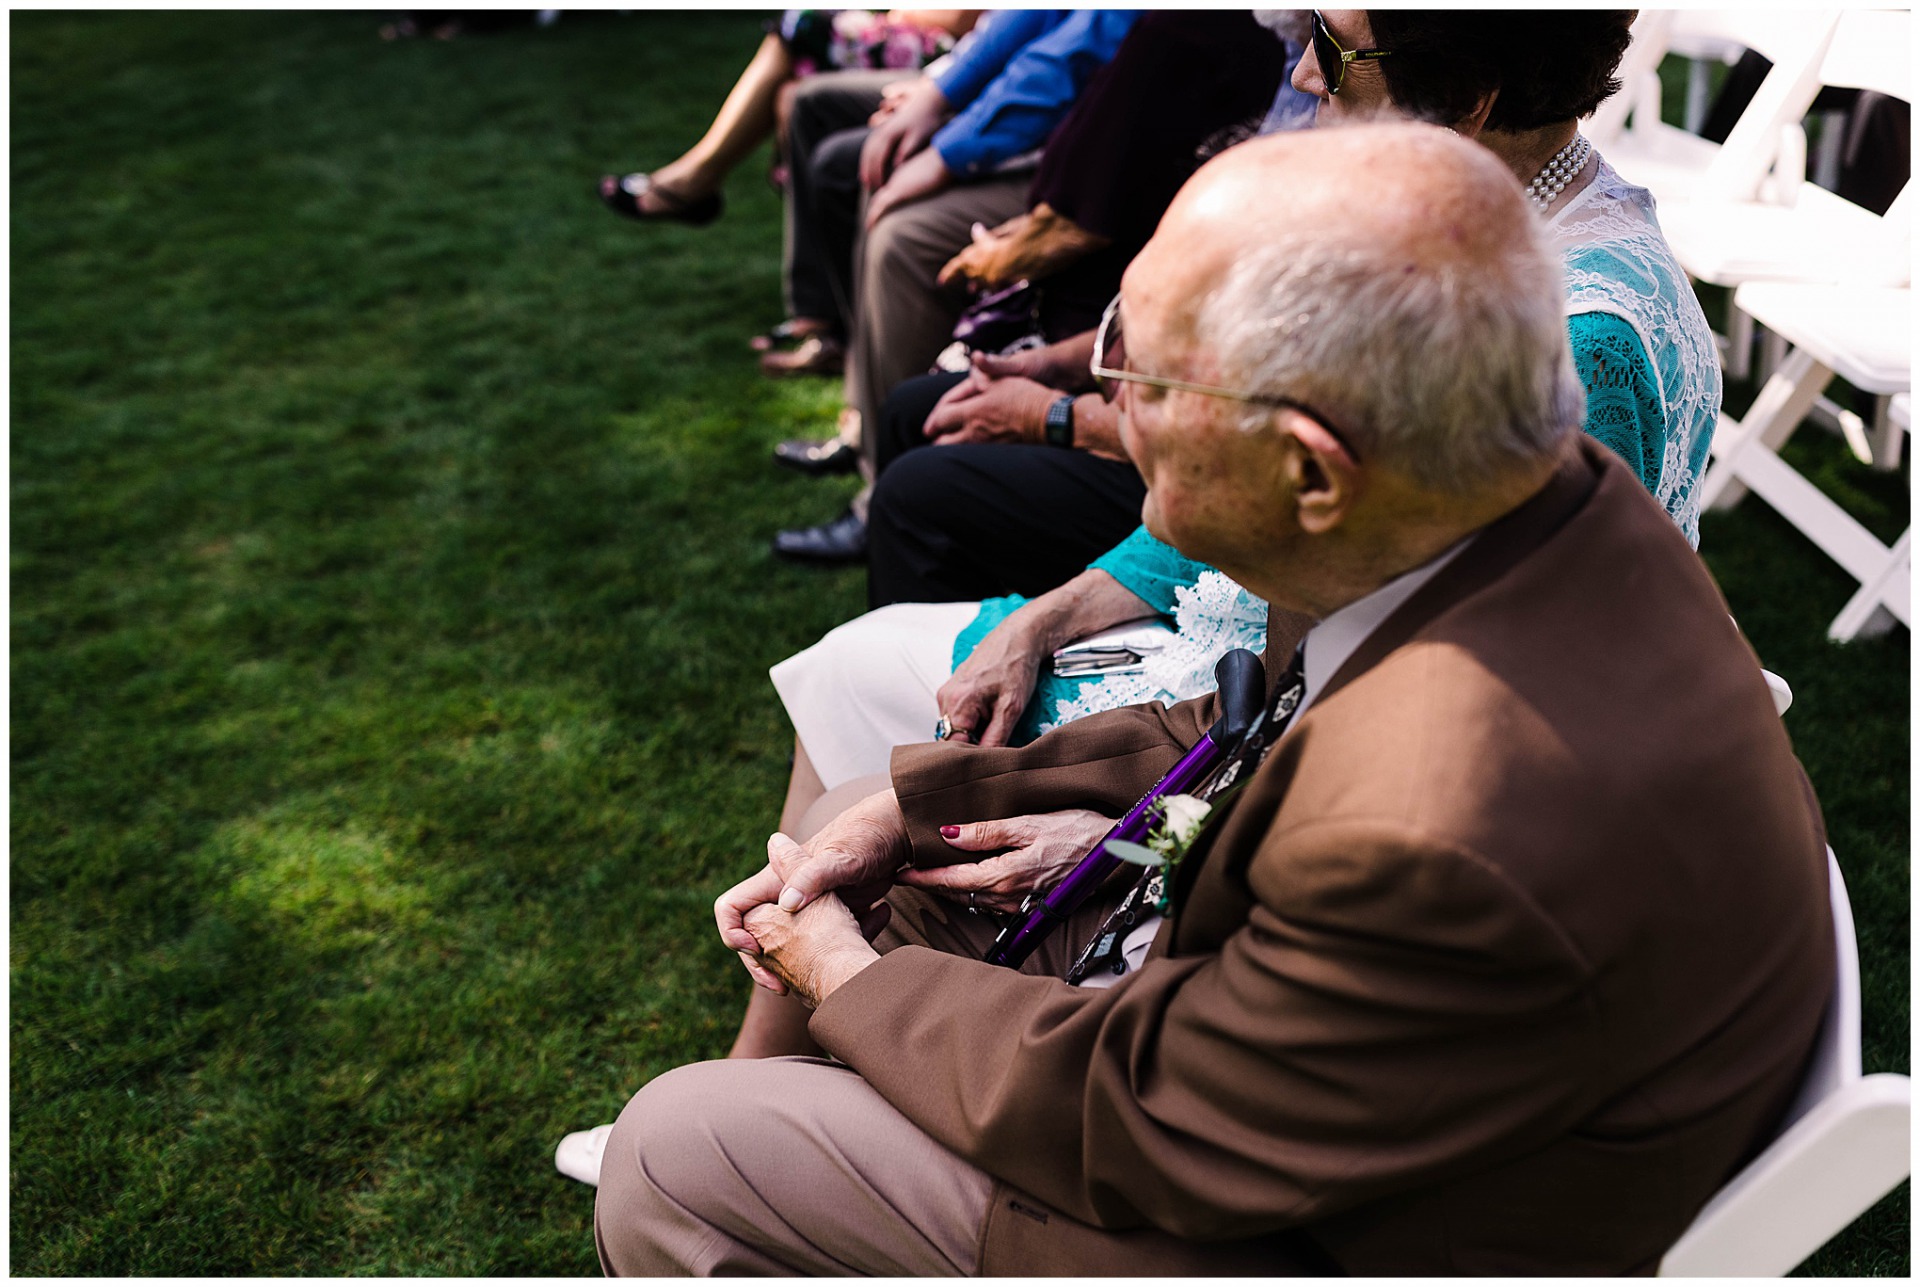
{"x":1060,"y":422}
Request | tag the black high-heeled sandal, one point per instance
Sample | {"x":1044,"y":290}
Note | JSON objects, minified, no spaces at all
{"x":622,"y":196}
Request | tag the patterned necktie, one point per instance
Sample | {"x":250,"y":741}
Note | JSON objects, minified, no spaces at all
{"x":1103,"y":951}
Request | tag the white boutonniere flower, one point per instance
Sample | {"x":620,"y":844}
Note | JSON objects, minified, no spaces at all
{"x":1183,"y":816}
{"x":1181,"y":819}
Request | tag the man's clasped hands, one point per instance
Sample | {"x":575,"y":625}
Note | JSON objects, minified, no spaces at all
{"x":805,"y":923}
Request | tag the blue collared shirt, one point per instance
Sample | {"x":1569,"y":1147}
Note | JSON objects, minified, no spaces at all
{"x":1017,"y":77}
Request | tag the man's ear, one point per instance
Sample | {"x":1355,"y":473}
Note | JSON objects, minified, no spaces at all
{"x":1470,"y":125}
{"x":1326,"y":479}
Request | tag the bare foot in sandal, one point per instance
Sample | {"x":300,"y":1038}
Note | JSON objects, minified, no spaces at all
{"x":642,"y":196}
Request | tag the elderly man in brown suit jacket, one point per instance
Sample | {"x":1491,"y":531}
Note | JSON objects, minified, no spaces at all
{"x":1510,"y":949}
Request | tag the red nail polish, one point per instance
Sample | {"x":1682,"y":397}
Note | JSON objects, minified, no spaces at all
{"x":950,"y":833}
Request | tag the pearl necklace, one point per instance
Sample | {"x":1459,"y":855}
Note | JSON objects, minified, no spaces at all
{"x":1557,"y":173}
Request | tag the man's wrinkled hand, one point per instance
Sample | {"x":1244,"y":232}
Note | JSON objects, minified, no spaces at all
{"x":983,"y":408}
{"x":813,"y":951}
{"x":855,"y":855}
{"x":1039,"y":849}
{"x":1061,"y":365}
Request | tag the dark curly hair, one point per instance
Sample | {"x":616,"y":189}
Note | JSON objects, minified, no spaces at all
{"x":1549,"y":65}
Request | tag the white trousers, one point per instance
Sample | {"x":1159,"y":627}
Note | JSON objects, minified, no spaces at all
{"x":868,"y":686}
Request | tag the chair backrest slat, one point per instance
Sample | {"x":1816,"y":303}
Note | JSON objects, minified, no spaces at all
{"x":1871,"y":49}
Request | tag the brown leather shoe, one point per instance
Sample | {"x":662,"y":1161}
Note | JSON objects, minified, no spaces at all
{"x":815,"y":355}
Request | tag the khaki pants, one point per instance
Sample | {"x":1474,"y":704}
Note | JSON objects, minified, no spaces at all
{"x":762,"y":1166}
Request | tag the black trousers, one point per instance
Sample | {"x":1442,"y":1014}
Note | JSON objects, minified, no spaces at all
{"x":953,"y":524}
{"x":824,"y":133}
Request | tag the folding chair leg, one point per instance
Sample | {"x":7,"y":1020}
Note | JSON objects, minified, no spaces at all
{"x":1882,"y":600}
{"x":1888,"y":435}
{"x":1773,"y":351}
{"x":1783,"y":403}
{"x":1739,"y":343}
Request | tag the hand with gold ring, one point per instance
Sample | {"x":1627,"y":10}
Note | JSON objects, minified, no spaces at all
{"x":943,"y":730}
{"x":1017,"y":856}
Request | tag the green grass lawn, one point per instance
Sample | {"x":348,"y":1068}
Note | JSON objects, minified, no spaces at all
{"x":391,"y":616}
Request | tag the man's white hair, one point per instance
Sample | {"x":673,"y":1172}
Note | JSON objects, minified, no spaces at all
{"x":1453,"y":372}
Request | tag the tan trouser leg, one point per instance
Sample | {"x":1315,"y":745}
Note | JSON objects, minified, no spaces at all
{"x":901,"y":319}
{"x":782,"y":1166}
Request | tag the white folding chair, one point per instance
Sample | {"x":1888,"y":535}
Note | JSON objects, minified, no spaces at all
{"x":1677,"y":165}
{"x":1864,"y":335}
{"x":1895,"y":421}
{"x":1780,"y":690}
{"x":1730,"y":236}
{"x":1842,"y":1146}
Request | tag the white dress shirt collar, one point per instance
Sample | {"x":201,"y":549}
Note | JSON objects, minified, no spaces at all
{"x":1329,"y":644}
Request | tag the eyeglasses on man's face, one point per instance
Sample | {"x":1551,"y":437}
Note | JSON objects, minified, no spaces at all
{"x":1334,"y":60}
{"x":1109,"y":372}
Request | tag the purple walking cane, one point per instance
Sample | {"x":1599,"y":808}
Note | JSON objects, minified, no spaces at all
{"x":1242,"y":681}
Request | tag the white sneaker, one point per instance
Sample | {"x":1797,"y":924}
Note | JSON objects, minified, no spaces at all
{"x":578,"y":1157}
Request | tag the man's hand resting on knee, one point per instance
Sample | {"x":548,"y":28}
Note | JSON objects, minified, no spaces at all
{"x":813,"y":951}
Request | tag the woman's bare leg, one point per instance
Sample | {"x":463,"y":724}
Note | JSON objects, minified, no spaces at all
{"x":803,"y":788}
{"x":773,"y":1025}
{"x":745,"y":121}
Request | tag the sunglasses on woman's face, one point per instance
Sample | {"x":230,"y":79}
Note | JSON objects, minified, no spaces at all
{"x":1109,"y":372}
{"x":1333,"y":59}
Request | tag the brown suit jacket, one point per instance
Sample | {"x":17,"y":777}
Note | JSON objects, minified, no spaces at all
{"x":1509,"y":955}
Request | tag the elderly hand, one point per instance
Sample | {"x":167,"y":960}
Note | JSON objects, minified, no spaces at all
{"x":984,"y":697}
{"x":1036,"y":244}
{"x":1040,"y":849}
{"x":1005,"y":399}
{"x":987,"y":258}
{"x":902,"y":127}
{"x":810,"y":952}
{"x":855,"y":855}
{"x":984,"y":408}
{"x":1061,"y":365}
{"x":921,"y":176}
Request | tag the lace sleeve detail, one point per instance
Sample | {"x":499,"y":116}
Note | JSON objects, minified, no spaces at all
{"x":1211,"y":617}
{"x":1623,"y":397}
{"x":1615,"y":260}
{"x":1151,"y":569}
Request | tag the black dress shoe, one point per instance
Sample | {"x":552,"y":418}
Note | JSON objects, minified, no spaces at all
{"x":844,"y":540}
{"x":834,"y":456}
